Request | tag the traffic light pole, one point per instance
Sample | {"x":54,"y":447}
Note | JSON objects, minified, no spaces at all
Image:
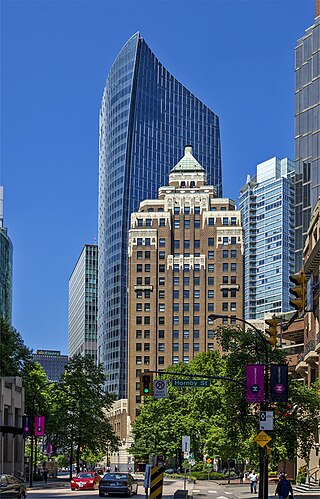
{"x":263,"y":484}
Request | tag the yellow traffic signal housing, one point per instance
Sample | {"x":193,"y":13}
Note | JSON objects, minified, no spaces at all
{"x":272,"y":330}
{"x":146,"y":384}
{"x":298,"y":291}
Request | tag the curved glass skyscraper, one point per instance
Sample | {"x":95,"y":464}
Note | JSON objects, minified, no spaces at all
{"x":146,"y":119}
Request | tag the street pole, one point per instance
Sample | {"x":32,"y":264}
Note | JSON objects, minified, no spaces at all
{"x":263,"y":483}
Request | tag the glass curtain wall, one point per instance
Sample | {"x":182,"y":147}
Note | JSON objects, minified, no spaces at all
{"x":146,"y":119}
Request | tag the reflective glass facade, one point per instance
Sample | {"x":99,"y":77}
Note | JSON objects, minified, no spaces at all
{"x":83,"y":304}
{"x":6,"y":250}
{"x":307,"y":133}
{"x":146,"y":119}
{"x":266,"y":203}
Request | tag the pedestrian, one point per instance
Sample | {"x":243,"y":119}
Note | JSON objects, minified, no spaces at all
{"x":284,"y":487}
{"x":253,"y":477}
{"x":241,"y":475}
{"x":45,"y":475}
{"x":116,"y":468}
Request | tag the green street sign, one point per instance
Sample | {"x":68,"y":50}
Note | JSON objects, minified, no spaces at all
{"x":191,"y":383}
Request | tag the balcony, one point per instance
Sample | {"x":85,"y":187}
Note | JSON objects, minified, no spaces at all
{"x":317,"y":345}
{"x":310,"y":356}
{"x":302,"y":366}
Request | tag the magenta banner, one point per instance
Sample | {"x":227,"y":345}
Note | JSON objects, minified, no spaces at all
{"x":39,"y":426}
{"x":255,"y":383}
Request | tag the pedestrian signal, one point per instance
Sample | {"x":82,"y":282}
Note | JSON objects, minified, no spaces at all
{"x":298,"y":291}
{"x":146,"y":384}
{"x":272,"y":330}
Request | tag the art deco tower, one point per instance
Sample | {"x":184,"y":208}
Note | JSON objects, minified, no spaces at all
{"x":146,"y":118}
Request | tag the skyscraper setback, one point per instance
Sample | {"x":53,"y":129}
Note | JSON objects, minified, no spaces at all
{"x":146,"y":118}
{"x":307,"y":131}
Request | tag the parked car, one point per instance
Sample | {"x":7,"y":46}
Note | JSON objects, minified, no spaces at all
{"x":118,"y":483}
{"x":85,"y":481}
{"x":169,"y":471}
{"x":10,"y":486}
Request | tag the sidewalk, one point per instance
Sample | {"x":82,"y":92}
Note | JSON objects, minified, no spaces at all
{"x":61,"y":481}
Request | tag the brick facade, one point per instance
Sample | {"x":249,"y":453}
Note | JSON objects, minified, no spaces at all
{"x":185,"y":262}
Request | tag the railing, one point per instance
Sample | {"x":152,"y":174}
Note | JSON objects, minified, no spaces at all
{"x":312,"y":475}
{"x":309,"y":347}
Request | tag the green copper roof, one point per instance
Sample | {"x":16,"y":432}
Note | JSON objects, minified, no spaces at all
{"x":188,"y":163}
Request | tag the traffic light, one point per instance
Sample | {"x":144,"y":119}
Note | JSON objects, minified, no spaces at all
{"x":272,"y":330}
{"x":298,"y":291}
{"x":146,"y":384}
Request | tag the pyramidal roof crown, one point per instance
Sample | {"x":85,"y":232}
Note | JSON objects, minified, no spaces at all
{"x":188,"y":163}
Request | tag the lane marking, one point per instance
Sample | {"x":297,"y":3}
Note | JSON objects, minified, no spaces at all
{"x":212,"y":491}
{"x":228,"y":492}
{"x":194,"y":490}
{"x":221,"y":497}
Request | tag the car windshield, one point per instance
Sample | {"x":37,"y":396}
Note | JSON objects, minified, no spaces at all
{"x":116,"y":476}
{"x":85,"y":475}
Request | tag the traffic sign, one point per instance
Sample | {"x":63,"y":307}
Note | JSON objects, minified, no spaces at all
{"x":262,"y":438}
{"x":209,"y":460}
{"x":191,"y":383}
{"x":266,"y":420}
{"x":160,"y":388}
{"x":186,"y":455}
{"x":186,"y":443}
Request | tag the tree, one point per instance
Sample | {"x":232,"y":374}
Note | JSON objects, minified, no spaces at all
{"x":218,"y":419}
{"x":14,"y":354}
{"x":79,"y":410}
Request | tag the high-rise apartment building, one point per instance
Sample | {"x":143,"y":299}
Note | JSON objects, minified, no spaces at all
{"x":307,"y":132}
{"x":266,"y":203}
{"x":83,"y":304}
{"x":6,"y":250}
{"x":52,"y":362}
{"x":185,"y":263}
{"x":146,"y":118}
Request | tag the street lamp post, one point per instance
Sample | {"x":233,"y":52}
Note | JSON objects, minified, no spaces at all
{"x":263,"y":485}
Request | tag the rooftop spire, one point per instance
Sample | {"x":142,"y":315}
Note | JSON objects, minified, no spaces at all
{"x":188,"y":163}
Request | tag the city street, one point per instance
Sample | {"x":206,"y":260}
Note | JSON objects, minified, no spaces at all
{"x":199,"y":490}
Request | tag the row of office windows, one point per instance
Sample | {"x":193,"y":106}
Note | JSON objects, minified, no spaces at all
{"x":186,"y":267}
{"x":176,"y":333}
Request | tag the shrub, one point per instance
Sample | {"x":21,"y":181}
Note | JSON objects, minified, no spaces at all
{"x":203,"y":475}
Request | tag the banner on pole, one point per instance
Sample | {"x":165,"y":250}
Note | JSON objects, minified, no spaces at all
{"x":39,"y":426}
{"x":279,"y":382}
{"x":255,"y":383}
{"x":27,"y":425}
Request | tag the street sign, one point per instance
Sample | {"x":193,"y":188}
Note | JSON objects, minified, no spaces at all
{"x":262,"y":439}
{"x":266,"y":420}
{"x":186,"y":443}
{"x":160,"y":389}
{"x":192,"y":462}
{"x":186,"y":455}
{"x":209,"y":460}
{"x":191,"y":383}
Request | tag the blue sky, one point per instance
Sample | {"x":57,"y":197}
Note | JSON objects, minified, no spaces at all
{"x":236,"y":56}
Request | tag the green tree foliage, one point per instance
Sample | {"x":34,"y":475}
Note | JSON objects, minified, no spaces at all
{"x":80,"y":403}
{"x":13,"y":352}
{"x":37,"y":390}
{"x":218,"y":419}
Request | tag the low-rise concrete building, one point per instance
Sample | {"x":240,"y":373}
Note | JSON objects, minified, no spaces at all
{"x":11,"y":439}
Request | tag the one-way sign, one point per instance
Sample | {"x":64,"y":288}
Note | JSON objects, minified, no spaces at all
{"x":266,"y":420}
